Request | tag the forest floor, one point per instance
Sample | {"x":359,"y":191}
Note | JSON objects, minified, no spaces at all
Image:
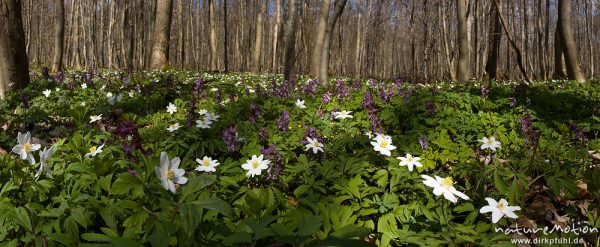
{"x":187,"y":158}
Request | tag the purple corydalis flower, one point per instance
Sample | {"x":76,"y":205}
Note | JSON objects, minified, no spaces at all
{"x":310,"y":88}
{"x":341,"y":90}
{"x":485,"y":91}
{"x":272,"y":154}
{"x":126,"y":129}
{"x":25,"y":100}
{"x":231,"y":139}
{"x":579,"y":134}
{"x":398,"y":84}
{"x":430,"y":107}
{"x":283,"y":121}
{"x":423,"y":142}
{"x":356,"y":85}
{"x":527,"y":131}
{"x":169,"y":81}
{"x":131,"y":171}
{"x":254,"y":112}
{"x":312,"y":133}
{"x":60,"y":76}
{"x":45,"y":73}
{"x":326,"y":97}
{"x":263,"y":135}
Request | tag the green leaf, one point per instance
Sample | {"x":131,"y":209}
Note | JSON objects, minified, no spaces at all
{"x":196,"y":184}
{"x":22,"y":218}
{"x":500,"y":184}
{"x":238,"y":237}
{"x":189,"y":217}
{"x":215,"y":204}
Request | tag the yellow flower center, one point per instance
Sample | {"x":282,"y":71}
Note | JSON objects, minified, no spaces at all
{"x":384,"y":144}
{"x":173,"y":126}
{"x":206,"y":162}
{"x":255,"y":164}
{"x":170,"y":174}
{"x":501,"y":205}
{"x":27,"y":147}
{"x":447,"y":182}
{"x":93,"y":149}
{"x":316,"y":143}
{"x":489,"y":142}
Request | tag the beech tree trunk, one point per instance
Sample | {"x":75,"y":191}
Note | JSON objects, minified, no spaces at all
{"x":317,"y":48}
{"x":289,"y":40}
{"x":464,"y":66}
{"x":574,"y":70}
{"x":212,"y":19}
{"x":14,"y":65}
{"x":337,"y":11}
{"x":491,"y":66}
{"x":162,"y":32}
{"x":59,"y":36}
{"x":259,"y":35}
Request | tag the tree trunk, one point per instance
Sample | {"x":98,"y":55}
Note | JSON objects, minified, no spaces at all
{"x":259,"y":35}
{"x":512,"y":43}
{"x":491,"y":66}
{"x":574,"y":71}
{"x":317,"y":48}
{"x":59,"y":36}
{"x":14,"y":67}
{"x":289,"y":40}
{"x":225,"y":39}
{"x":337,"y":11}
{"x":276,"y":29}
{"x":464,"y":70}
{"x":212,"y":19}
{"x":162,"y":31}
{"x":541,"y":48}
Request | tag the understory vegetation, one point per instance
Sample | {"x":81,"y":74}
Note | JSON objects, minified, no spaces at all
{"x":200,"y":159}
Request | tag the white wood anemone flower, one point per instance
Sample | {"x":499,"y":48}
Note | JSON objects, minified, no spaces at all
{"x":499,"y":209}
{"x":95,"y":118}
{"x":300,"y":104}
{"x":211,"y":116}
{"x":255,"y":165}
{"x":206,"y":164}
{"x":171,"y":108}
{"x":203,"y":123}
{"x":94,"y":151}
{"x":444,"y":186}
{"x":410,"y":161}
{"x":44,"y":156}
{"x":173,"y":127}
{"x":342,"y":114}
{"x":169,"y":173}
{"x":383,"y":144}
{"x":314,"y":144}
{"x":25,"y":148}
{"x":490,"y":143}
{"x":47,"y":93}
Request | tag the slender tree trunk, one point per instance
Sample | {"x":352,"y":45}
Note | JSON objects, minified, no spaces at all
{"x":560,"y":70}
{"x":59,"y":36}
{"x":589,"y":18}
{"x":162,"y":31}
{"x":225,"y":38}
{"x":259,"y":35}
{"x":574,"y":71}
{"x":449,"y":55}
{"x":359,"y":36}
{"x":491,"y":66}
{"x":464,"y":67}
{"x":289,"y":40}
{"x":276,"y":29}
{"x":213,"y":35}
{"x":337,"y":11}
{"x":512,"y":43}
{"x":319,"y":34}
{"x":541,"y":48}
{"x":14,"y":67}
{"x":181,"y":41}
